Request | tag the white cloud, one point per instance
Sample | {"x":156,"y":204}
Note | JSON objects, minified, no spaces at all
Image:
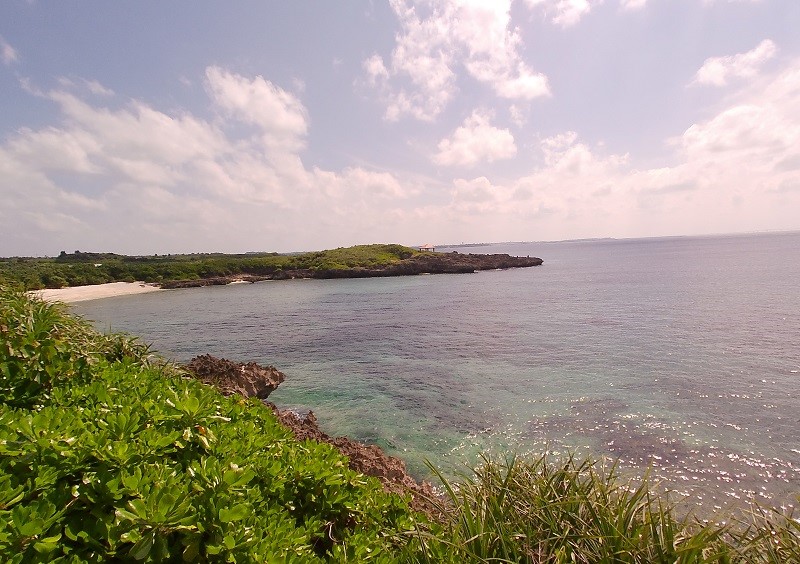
{"x":633,"y":4}
{"x":563,"y":154}
{"x":356,"y":184}
{"x":91,"y":86}
{"x":747,"y":128}
{"x":98,"y":89}
{"x":738,"y":162}
{"x":753,"y":138}
{"x":134,"y":178}
{"x":477,"y":140}
{"x":477,"y":190}
{"x":573,"y":182}
{"x":718,"y":71}
{"x":7,"y":53}
{"x":54,"y":149}
{"x":484,"y":30}
{"x":299,"y":85}
{"x":421,"y":62}
{"x":375,"y":69}
{"x":518,"y":114}
{"x":137,"y":133}
{"x":737,"y":170}
{"x":565,"y":13}
{"x":280,"y":115}
{"x":438,"y":40}
{"x":137,"y":179}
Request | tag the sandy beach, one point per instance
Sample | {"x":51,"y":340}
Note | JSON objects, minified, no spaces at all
{"x":95,"y":292}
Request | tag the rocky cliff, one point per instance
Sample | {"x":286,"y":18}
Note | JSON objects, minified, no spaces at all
{"x":248,"y":380}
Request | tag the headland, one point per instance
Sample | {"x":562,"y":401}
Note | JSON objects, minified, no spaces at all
{"x":82,"y":276}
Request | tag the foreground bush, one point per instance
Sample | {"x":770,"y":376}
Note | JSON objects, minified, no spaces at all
{"x":106,"y":457}
{"x":559,"y":511}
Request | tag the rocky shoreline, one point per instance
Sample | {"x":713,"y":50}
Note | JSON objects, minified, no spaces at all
{"x":425,"y":263}
{"x":253,"y":380}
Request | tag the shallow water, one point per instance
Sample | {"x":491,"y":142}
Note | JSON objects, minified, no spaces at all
{"x":676,"y":353}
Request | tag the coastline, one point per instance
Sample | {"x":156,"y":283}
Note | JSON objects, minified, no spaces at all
{"x":425,"y":263}
{"x":64,"y":273}
{"x":94,"y":292}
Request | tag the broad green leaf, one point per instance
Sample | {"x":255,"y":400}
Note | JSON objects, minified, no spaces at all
{"x":166,"y":505}
{"x":138,"y":507}
{"x":141,"y":549}
{"x":31,"y":528}
{"x":47,"y":545}
{"x":192,"y":551}
{"x":235,"y":513}
{"x":125,"y":514}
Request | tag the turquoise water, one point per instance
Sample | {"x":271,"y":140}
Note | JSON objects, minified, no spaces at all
{"x":676,"y":353}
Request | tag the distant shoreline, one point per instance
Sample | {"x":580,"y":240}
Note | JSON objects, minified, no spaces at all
{"x":70,"y":270}
{"x":415,"y":264}
{"x":422,"y":263}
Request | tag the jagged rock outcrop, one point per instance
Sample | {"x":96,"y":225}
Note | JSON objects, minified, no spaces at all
{"x":212,"y":281}
{"x":248,"y":380}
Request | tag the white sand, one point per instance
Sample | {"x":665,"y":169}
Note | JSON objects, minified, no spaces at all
{"x":95,"y":292}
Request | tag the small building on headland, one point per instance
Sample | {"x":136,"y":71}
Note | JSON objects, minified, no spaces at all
{"x":427,"y":247}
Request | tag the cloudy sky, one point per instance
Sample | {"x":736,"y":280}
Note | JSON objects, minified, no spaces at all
{"x":155,"y":127}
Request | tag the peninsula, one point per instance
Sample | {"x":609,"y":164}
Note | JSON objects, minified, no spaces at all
{"x":183,"y":271}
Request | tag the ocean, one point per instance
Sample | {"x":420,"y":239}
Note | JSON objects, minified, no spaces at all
{"x":679,"y":355}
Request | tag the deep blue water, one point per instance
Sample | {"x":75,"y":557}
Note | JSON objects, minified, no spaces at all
{"x":679,"y":353}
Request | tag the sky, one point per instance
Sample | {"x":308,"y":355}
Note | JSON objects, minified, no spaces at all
{"x":167,"y":127}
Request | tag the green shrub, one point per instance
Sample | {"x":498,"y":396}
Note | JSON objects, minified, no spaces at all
{"x":106,"y":456}
{"x":559,"y":511}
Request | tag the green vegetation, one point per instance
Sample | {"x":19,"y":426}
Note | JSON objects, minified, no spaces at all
{"x":569,"y":511}
{"x":109,"y":454}
{"x":78,"y":269}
